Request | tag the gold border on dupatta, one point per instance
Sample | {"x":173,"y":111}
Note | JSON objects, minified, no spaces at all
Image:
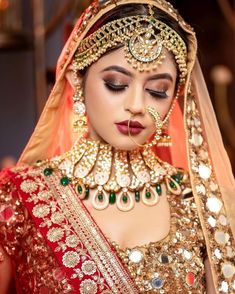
{"x":211,"y":209}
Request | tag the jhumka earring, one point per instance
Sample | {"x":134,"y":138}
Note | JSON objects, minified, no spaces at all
{"x":79,"y":108}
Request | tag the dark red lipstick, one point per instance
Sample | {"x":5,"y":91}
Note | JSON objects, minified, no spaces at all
{"x":134,"y":126}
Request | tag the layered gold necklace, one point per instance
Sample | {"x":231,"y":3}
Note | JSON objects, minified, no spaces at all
{"x":117,"y":177}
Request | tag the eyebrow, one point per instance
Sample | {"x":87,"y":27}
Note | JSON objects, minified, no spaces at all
{"x":118,"y":69}
{"x":162,"y":76}
{"x":122,"y":70}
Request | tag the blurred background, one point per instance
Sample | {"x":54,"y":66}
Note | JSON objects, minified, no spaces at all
{"x":33,"y":32}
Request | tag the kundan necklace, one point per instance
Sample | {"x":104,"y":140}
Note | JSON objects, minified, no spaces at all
{"x":121,"y":177}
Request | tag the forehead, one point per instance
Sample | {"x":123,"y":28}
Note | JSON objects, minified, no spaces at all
{"x":117,"y":57}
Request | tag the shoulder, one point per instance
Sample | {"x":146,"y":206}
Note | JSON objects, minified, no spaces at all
{"x":13,"y":214}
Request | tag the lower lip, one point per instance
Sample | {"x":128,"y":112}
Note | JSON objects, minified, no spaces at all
{"x":123,"y":129}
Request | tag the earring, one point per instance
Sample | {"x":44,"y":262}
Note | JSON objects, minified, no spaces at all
{"x":79,"y":108}
{"x":165,"y":140}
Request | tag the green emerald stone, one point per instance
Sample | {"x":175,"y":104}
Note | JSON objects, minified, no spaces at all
{"x":64,"y":181}
{"x":48,"y":171}
{"x":124,"y":199}
{"x":87,"y":191}
{"x":172,"y":185}
{"x":148,"y":195}
{"x":100,"y":197}
{"x":79,"y":188}
{"x":178,"y":177}
{"x":112,"y":198}
{"x":137,"y":196}
{"x":159,"y":189}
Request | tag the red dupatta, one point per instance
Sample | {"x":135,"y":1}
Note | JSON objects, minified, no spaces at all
{"x":68,"y":229}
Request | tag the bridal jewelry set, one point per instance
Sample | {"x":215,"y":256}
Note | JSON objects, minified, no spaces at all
{"x":117,"y":176}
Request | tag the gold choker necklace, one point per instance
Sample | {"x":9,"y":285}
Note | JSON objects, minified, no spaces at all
{"x":121,"y":177}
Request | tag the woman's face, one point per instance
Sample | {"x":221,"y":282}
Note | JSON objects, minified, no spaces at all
{"x":115,"y":92}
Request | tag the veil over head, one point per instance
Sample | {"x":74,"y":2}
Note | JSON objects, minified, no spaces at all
{"x":197,"y":144}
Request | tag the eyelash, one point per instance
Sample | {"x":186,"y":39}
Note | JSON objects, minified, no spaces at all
{"x":158,"y":94}
{"x":120,"y":88}
{"x":115,"y":88}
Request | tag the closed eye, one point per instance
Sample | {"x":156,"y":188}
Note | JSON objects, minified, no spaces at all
{"x":158,"y":94}
{"x":115,"y":87}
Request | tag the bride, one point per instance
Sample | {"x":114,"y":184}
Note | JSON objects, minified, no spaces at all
{"x":124,"y":186}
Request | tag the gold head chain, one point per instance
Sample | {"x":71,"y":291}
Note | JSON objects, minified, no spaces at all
{"x":144,"y":38}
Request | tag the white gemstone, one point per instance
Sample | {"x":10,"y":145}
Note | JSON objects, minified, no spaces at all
{"x":230,"y":252}
{"x":204,"y":171}
{"x":221,"y":237}
{"x":189,"y":122}
{"x":223,"y":220}
{"x":159,"y":171}
{"x":201,"y":189}
{"x":224,"y":287}
{"x":218,"y":253}
{"x":123,"y":180}
{"x":143,"y":176}
{"x":80,"y":172}
{"x":101,"y":178}
{"x":79,"y":108}
{"x":197,"y":139}
{"x":66,"y":166}
{"x":214,"y":204}
{"x":197,"y":122}
{"x":136,"y":255}
{"x":212,"y":221}
{"x":228,"y":270}
{"x":187,"y":254}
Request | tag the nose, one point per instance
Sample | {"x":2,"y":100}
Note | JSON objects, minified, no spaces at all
{"x":135,"y":102}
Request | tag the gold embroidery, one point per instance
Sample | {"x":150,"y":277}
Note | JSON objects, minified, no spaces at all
{"x":55,"y":234}
{"x":89,"y":267}
{"x":32,"y":258}
{"x":28,"y":186}
{"x":88,"y":287}
{"x":57,"y":217}
{"x":72,"y":241}
{"x":71,"y":259}
{"x":85,"y":229}
{"x":41,"y":210}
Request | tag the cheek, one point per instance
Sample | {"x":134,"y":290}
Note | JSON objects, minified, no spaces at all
{"x":163,"y":106}
{"x":99,"y":103}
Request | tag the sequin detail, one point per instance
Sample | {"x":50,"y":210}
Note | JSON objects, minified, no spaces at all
{"x":175,"y":264}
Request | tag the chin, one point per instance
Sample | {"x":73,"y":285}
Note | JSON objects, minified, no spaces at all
{"x":121,"y":142}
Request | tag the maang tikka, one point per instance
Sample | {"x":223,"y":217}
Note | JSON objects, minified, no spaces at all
{"x":79,"y":108}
